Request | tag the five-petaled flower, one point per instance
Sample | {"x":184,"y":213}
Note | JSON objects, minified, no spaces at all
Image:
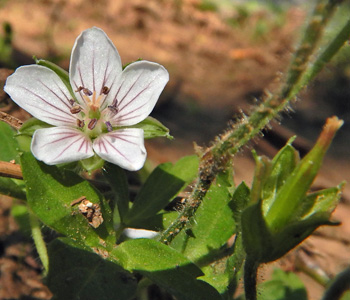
{"x":106,"y":99}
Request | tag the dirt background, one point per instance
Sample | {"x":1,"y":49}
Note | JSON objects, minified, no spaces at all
{"x":219,"y":63}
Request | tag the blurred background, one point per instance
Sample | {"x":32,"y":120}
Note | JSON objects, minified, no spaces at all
{"x":221,"y":55}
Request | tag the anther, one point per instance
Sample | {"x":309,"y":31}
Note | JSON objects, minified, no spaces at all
{"x":75,"y":109}
{"x":92,"y":124}
{"x":105,"y":90}
{"x":109,"y":126}
{"x":71,"y":101}
{"x":87,"y":92}
{"x":80,"y":123}
{"x":113,"y":109}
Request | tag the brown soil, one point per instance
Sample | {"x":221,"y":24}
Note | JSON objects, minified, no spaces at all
{"x":216,"y":69}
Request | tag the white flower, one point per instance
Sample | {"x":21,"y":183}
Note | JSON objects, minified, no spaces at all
{"x":106,"y":97}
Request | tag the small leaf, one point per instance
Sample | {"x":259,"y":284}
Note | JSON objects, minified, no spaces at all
{"x":50,"y":192}
{"x":283,"y":285}
{"x":78,"y":274}
{"x":164,"y":183}
{"x":63,"y":74}
{"x":152,"y":128}
{"x":166,"y":267}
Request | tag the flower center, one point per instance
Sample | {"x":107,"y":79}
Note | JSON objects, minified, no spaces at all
{"x":91,"y":119}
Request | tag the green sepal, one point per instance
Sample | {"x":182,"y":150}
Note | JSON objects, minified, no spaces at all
{"x":152,"y":128}
{"x":257,"y":239}
{"x":92,"y":163}
{"x":127,"y":64}
{"x":25,"y":133}
{"x":29,"y":126}
{"x":63,"y":74}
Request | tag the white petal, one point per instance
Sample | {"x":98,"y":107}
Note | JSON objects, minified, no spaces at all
{"x":95,"y":62}
{"x":42,"y":93}
{"x":134,"y":233}
{"x":141,"y":84}
{"x":58,"y":145}
{"x":124,"y":147}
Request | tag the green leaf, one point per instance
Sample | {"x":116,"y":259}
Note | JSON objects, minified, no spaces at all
{"x":166,"y":267}
{"x":117,"y":179}
{"x":13,"y":188}
{"x":50,"y":192}
{"x":214,"y":224}
{"x":282,"y":286}
{"x":77,"y":274}
{"x":8,"y":145}
{"x":9,"y":151}
{"x":63,"y":74}
{"x":153,"y":128}
{"x":164,"y":183}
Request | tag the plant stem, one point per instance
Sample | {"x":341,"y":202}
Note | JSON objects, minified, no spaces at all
{"x":339,"y":286}
{"x":250,"y":275}
{"x":38,"y":240}
{"x":217,"y":157}
{"x":325,"y":56}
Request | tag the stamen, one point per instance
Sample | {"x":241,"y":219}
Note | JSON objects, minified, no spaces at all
{"x":79,"y":89}
{"x":75,"y":109}
{"x":87,"y":92}
{"x":113,"y":109}
{"x":80,"y":123}
{"x":105,"y":90}
{"x":71,"y":101}
{"x":109,"y":126}
{"x":92,"y":124}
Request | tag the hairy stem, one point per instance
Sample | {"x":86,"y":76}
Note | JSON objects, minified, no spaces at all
{"x":39,"y":241}
{"x":250,"y":275}
{"x":217,"y":157}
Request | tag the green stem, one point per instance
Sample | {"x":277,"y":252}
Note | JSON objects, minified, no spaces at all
{"x":339,"y":286}
{"x":250,"y":275}
{"x":39,"y":241}
{"x":324,"y":57}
